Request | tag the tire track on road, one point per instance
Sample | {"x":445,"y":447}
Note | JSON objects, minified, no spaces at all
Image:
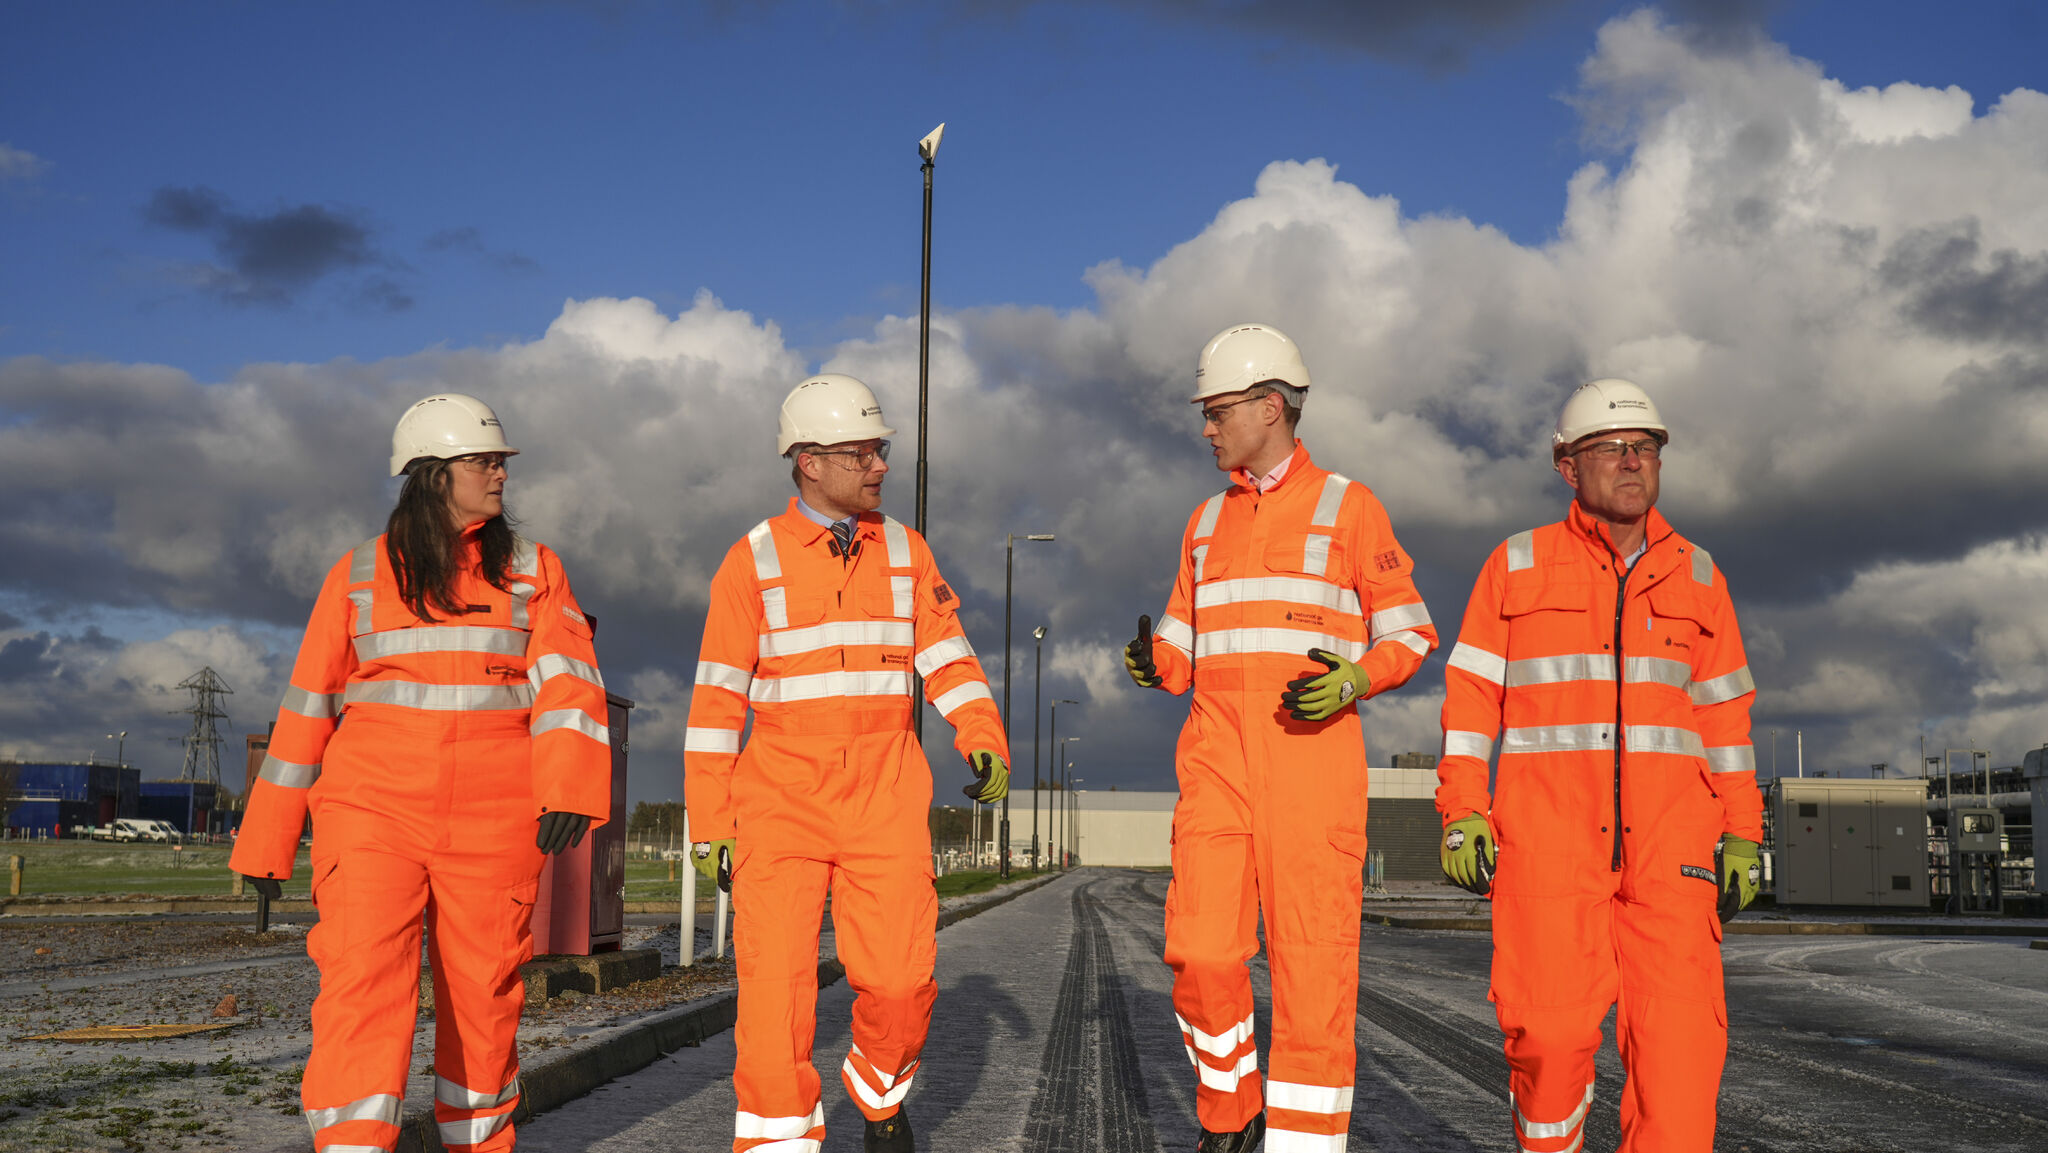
{"x":1090,"y":1096}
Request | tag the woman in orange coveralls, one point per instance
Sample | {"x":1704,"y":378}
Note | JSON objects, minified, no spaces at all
{"x":475,"y":744}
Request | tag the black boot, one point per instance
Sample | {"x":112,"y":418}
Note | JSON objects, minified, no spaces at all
{"x":1243,"y":1141}
{"x":892,"y":1134}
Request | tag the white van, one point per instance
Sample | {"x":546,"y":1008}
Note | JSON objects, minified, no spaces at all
{"x":138,"y":829}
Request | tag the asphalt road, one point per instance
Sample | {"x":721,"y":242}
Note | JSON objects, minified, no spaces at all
{"x":1054,"y":1032}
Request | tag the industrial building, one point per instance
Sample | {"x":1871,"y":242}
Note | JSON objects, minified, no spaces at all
{"x":54,"y":799}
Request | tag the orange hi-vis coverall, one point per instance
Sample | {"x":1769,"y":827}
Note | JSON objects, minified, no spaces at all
{"x":1605,"y":889}
{"x":1272,"y":810}
{"x":833,"y":789}
{"x":460,"y":733}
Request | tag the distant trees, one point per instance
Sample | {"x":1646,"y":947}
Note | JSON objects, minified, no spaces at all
{"x":656,"y":821}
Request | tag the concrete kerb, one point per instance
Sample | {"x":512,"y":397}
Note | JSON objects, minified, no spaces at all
{"x":1740,"y":927}
{"x":563,"y":1078}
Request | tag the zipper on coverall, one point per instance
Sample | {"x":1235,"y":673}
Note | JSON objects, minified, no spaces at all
{"x":1621,"y":575}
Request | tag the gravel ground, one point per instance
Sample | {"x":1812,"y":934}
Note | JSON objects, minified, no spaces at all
{"x":236,"y":1089}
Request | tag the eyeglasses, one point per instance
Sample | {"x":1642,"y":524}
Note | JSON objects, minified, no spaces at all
{"x":1613,"y":450}
{"x":863,"y":458}
{"x":1215,"y":413}
{"x":483,"y":461}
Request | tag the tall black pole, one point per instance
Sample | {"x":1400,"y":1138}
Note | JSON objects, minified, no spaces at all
{"x":1052,"y":773}
{"x":924,"y":364}
{"x":1037,"y":689}
{"x":1009,"y":563}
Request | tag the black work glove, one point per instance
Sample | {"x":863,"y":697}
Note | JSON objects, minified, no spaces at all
{"x":268,"y":886}
{"x":1138,"y":657}
{"x":560,"y":831}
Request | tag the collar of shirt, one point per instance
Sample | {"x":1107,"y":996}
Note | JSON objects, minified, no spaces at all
{"x":819,"y":518}
{"x":1271,"y":480}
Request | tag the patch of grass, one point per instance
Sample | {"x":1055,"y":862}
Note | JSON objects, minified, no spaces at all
{"x":100,"y":868}
{"x":963,"y":883}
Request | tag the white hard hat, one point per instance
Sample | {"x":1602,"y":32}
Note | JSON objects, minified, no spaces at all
{"x":1604,"y":406}
{"x":1245,"y":355}
{"x":446,"y":425}
{"x":829,"y":408}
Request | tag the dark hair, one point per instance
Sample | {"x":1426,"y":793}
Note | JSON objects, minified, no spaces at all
{"x":420,"y":539}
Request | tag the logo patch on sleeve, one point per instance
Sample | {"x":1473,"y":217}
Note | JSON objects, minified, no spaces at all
{"x":941,"y":594}
{"x":1387,"y":561}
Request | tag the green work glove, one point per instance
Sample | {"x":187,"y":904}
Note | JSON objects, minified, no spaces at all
{"x":1740,"y":872}
{"x":1318,"y":697}
{"x":1138,"y":657}
{"x":991,"y":777}
{"x":714,"y":860}
{"x":1467,"y":854}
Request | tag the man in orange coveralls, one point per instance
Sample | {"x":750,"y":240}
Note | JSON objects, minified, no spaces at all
{"x":1603,"y":651}
{"x":1294,"y":602}
{"x":817,"y":618}
{"x":476,"y":741}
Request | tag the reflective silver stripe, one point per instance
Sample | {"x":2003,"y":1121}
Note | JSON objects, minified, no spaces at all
{"x":1291,"y":590}
{"x":867,"y":1093}
{"x":838,"y":683}
{"x":287,"y":774}
{"x":521,"y":593}
{"x":1206,"y":526}
{"x":1407,"y":638}
{"x":364,"y":599}
{"x":1732,"y":759}
{"x":379,"y":1107}
{"x":946,"y":702}
{"x":525,"y":557}
{"x":1702,"y":566}
{"x":1175,"y":632}
{"x":724,"y":676}
{"x":551,"y":665}
{"x":473,"y":1130}
{"x":1315,"y":554}
{"x":1664,"y":739}
{"x":903,"y":594}
{"x":887,"y":1079}
{"x":440,"y":639}
{"x":570,"y":612}
{"x":441,"y":698}
{"x":1480,"y":663}
{"x":1308,"y":1098}
{"x":1557,"y":739}
{"x":1550,"y":1130}
{"x":898,"y":539}
{"x":761,"y":538}
{"x":1458,"y":743}
{"x":775,"y":607}
{"x":1201,"y":554}
{"x":1225,"y":1080}
{"x":696,"y":740}
{"x":1285,"y":642}
{"x":1656,"y":671}
{"x":362,"y":563}
{"x":1722,"y":689}
{"x":1559,"y":669}
{"x":449,"y":1093}
{"x":754,"y":1127}
{"x":1331,"y":501}
{"x":319,"y":706}
{"x":1522,"y":550}
{"x":941,"y":654}
{"x":1217,"y":1044}
{"x":576,"y":719}
{"x":1399,"y":617}
{"x":836,"y":634}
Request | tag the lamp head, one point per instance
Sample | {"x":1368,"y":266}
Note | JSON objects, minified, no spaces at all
{"x":1038,"y":634}
{"x":928,"y":148}
{"x":1039,"y":536}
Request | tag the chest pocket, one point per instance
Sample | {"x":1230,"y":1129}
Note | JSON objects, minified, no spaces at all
{"x":889,"y":598}
{"x":1677,"y":619}
{"x":1537,"y":592}
{"x":1316,"y":553}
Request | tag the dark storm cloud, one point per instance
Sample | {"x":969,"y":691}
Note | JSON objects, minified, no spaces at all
{"x":1722,"y":25}
{"x":1953,"y":288}
{"x":26,"y":657}
{"x":271,"y":259}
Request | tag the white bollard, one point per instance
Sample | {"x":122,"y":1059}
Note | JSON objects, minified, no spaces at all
{"x":686,"y":942}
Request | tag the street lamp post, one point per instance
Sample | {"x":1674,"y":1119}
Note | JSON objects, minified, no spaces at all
{"x":1073,"y":811}
{"x":1066,"y":799}
{"x":928,"y":150}
{"x":120,"y":740}
{"x":1052,"y":775}
{"x":1009,"y":581}
{"x":1037,"y":686}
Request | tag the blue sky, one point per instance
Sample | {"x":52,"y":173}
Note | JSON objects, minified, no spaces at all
{"x":307,"y":214}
